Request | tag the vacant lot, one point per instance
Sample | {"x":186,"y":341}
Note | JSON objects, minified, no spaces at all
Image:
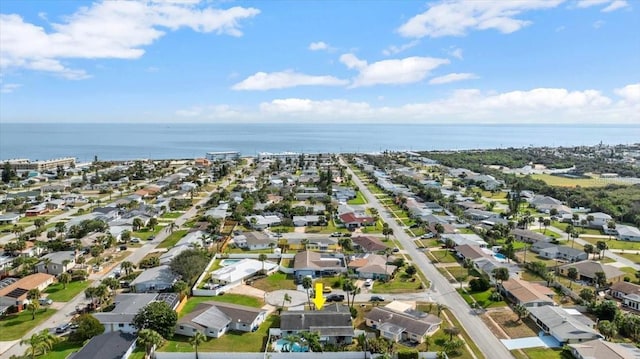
{"x":508,"y":321}
{"x":573,"y":182}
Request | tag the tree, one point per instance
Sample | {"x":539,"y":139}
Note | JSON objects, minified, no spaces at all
{"x":572,"y":273}
{"x":64,"y":278}
{"x":602,"y":247}
{"x":157,"y":316}
{"x":127,"y":267}
{"x":137,"y":224}
{"x":568,"y":230}
{"x":196,"y":340}
{"x":149,"y":339}
{"x":520,"y":310}
{"x":500,"y":274}
{"x":7,"y":172}
{"x":587,"y":294}
{"x":88,"y":327}
{"x":411,"y":270}
{"x":600,"y":280}
{"x":125,"y":236}
{"x":189,"y":264}
{"x":452,"y":331}
{"x":608,"y":329}
{"x":33,"y":306}
{"x":546,"y":222}
{"x":611,"y":226}
{"x":39,"y":343}
{"x":181,"y":287}
{"x":287,"y":299}
{"x":307,"y":283}
{"x":440,"y":308}
{"x":262,"y":257}
{"x":348,"y":287}
{"x":588,"y":249}
{"x":427,"y":340}
{"x":112,"y":283}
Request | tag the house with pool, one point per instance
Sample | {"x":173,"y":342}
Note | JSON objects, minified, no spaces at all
{"x":236,"y":271}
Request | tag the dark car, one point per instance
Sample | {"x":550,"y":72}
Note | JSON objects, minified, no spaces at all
{"x":63,"y":328}
{"x":150,"y":238}
{"x":376,"y":298}
{"x":335,"y":298}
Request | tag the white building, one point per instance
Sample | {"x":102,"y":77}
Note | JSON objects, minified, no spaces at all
{"x":223,"y":156}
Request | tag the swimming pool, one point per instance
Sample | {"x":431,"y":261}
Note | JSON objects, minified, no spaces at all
{"x":281,"y":344}
{"x":228,"y":262}
{"x":500,"y":256}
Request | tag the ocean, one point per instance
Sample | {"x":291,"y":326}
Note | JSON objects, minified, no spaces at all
{"x":39,"y":141}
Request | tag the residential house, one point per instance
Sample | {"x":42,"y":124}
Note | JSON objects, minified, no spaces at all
{"x":333,"y":323}
{"x":127,"y":305}
{"x":467,"y":251}
{"x":565,"y":325}
{"x":525,"y":235}
{"x":189,"y":241}
{"x":57,"y":262}
{"x":553,"y":251}
{"x":214,"y":319}
{"x":401,"y":326}
{"x":598,"y":348}
{"x":368,"y":244}
{"x":36,"y":210}
{"x":545,"y":204}
{"x":587,"y":271}
{"x":238,"y":272}
{"x":356,"y":219}
{"x":109,"y":213}
{"x":259,"y":222}
{"x":154,"y":279}
{"x":13,"y":292}
{"x":372,"y":266}
{"x":627,"y":233}
{"x":627,"y":293}
{"x":527,"y":294}
{"x":303,"y":221}
{"x":9,"y":218}
{"x":220,"y":212}
{"x":111,"y":345}
{"x":486,"y":265}
{"x":254,"y":241}
{"x":55,"y":204}
{"x":318,"y":264}
{"x":460,"y":239}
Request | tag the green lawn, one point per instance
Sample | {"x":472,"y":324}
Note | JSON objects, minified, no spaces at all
{"x":62,"y":350}
{"x":172,"y":239}
{"x":275,"y":281}
{"x":481,"y":298}
{"x":172,"y":215}
{"x":631,"y":273}
{"x":230,"y":342}
{"x":57,"y":293}
{"x":227,"y":298}
{"x":563,"y":226}
{"x":15,"y":326}
{"x":614,"y":244}
{"x":145,"y":233}
{"x":444,"y":256}
{"x":457,"y":272}
{"x":573,"y":182}
{"x":358,"y":200}
{"x":635,"y":257}
{"x":399,"y":284}
{"x":543,"y":353}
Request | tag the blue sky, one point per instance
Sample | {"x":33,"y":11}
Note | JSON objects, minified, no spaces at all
{"x":521,"y":61}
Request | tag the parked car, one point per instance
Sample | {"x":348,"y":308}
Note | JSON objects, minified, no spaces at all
{"x":336,"y":234}
{"x":63,"y":328}
{"x":335,"y":298}
{"x":135,"y":240}
{"x":368,"y":282}
{"x":150,"y":238}
{"x":326,"y":290}
{"x":376,"y":298}
{"x":123,"y":248}
{"x":396,"y":250}
{"x":45,"y":301}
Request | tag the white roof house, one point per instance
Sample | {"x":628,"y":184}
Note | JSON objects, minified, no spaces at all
{"x":241,"y":270}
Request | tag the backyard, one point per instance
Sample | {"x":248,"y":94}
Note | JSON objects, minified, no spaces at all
{"x":57,"y":293}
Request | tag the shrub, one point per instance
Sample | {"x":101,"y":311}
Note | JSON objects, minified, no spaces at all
{"x":408,"y":354}
{"x":479,"y":284}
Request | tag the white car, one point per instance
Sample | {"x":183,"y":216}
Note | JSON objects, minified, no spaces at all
{"x":368,"y":282}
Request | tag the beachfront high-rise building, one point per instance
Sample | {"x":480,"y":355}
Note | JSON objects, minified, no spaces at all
{"x":223,"y":156}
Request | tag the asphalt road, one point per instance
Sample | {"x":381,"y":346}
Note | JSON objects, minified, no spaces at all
{"x":441,"y":290}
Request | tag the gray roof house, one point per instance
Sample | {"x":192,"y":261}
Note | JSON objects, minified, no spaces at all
{"x":254,"y":241}
{"x":127,"y":306}
{"x":56,"y":262}
{"x":628,"y":233}
{"x":587,"y":271}
{"x":596,"y":349}
{"x":525,"y":235}
{"x":553,"y":251}
{"x":566,"y":326}
{"x":316,"y":264}
{"x":333,"y":323}
{"x":154,"y":279}
{"x":628,"y":293}
{"x":214,"y":319}
{"x":410,"y":325}
{"x":111,"y":345}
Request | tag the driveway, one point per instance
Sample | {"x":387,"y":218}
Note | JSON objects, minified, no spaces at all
{"x":545,"y":341}
{"x":276,"y":298}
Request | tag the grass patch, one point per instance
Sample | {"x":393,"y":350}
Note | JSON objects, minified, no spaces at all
{"x":573,"y":182}
{"x":443,"y":256}
{"x":57,"y":293}
{"x":482,"y":298}
{"x":145,"y":233}
{"x":401,"y":283}
{"x":172,"y":215}
{"x":15,"y":326}
{"x":62,"y":350}
{"x":543,"y":353}
{"x":172,"y":239}
{"x":634,"y":257}
{"x":614,"y":244}
{"x":226,"y":298}
{"x":588,"y":231}
{"x":274,"y":282}
{"x":230,"y":342}
{"x":358,"y":200}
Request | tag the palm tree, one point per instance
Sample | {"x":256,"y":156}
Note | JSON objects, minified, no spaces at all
{"x":611,"y":226}
{"x":137,"y":224}
{"x":588,"y":249}
{"x":287,"y":298}
{"x":33,"y":306}
{"x":572,"y":273}
{"x":150,"y":339}
{"x":307,"y":283}
{"x":262,"y":257}
{"x":64,"y":278}
{"x":602,"y":247}
{"x":520,"y":310}
{"x":127,"y":267}
{"x":427,"y":342}
{"x":452,"y":331}
{"x":348,"y":287}
{"x":290,"y":340}
{"x":171,"y":227}
{"x":196,"y":340}
{"x":440,"y":308}
{"x":39,"y":343}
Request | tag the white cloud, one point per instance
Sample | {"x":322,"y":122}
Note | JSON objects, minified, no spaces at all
{"x":285,"y":79}
{"x":456,"y":52}
{"x":453,"y":77}
{"x":389,"y":72}
{"x":108,"y":29}
{"x":317,"y":46}
{"x":190,"y":112}
{"x":629,"y":93}
{"x":457,"y":17}
{"x":590,"y":3}
{"x":392,"y":50}
{"x":618,"y":4}
{"x":9,"y":88}
{"x":598,"y":24}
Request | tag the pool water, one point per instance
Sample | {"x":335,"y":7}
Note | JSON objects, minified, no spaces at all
{"x":283,"y":343}
{"x":228,"y":262}
{"x":500,"y":256}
